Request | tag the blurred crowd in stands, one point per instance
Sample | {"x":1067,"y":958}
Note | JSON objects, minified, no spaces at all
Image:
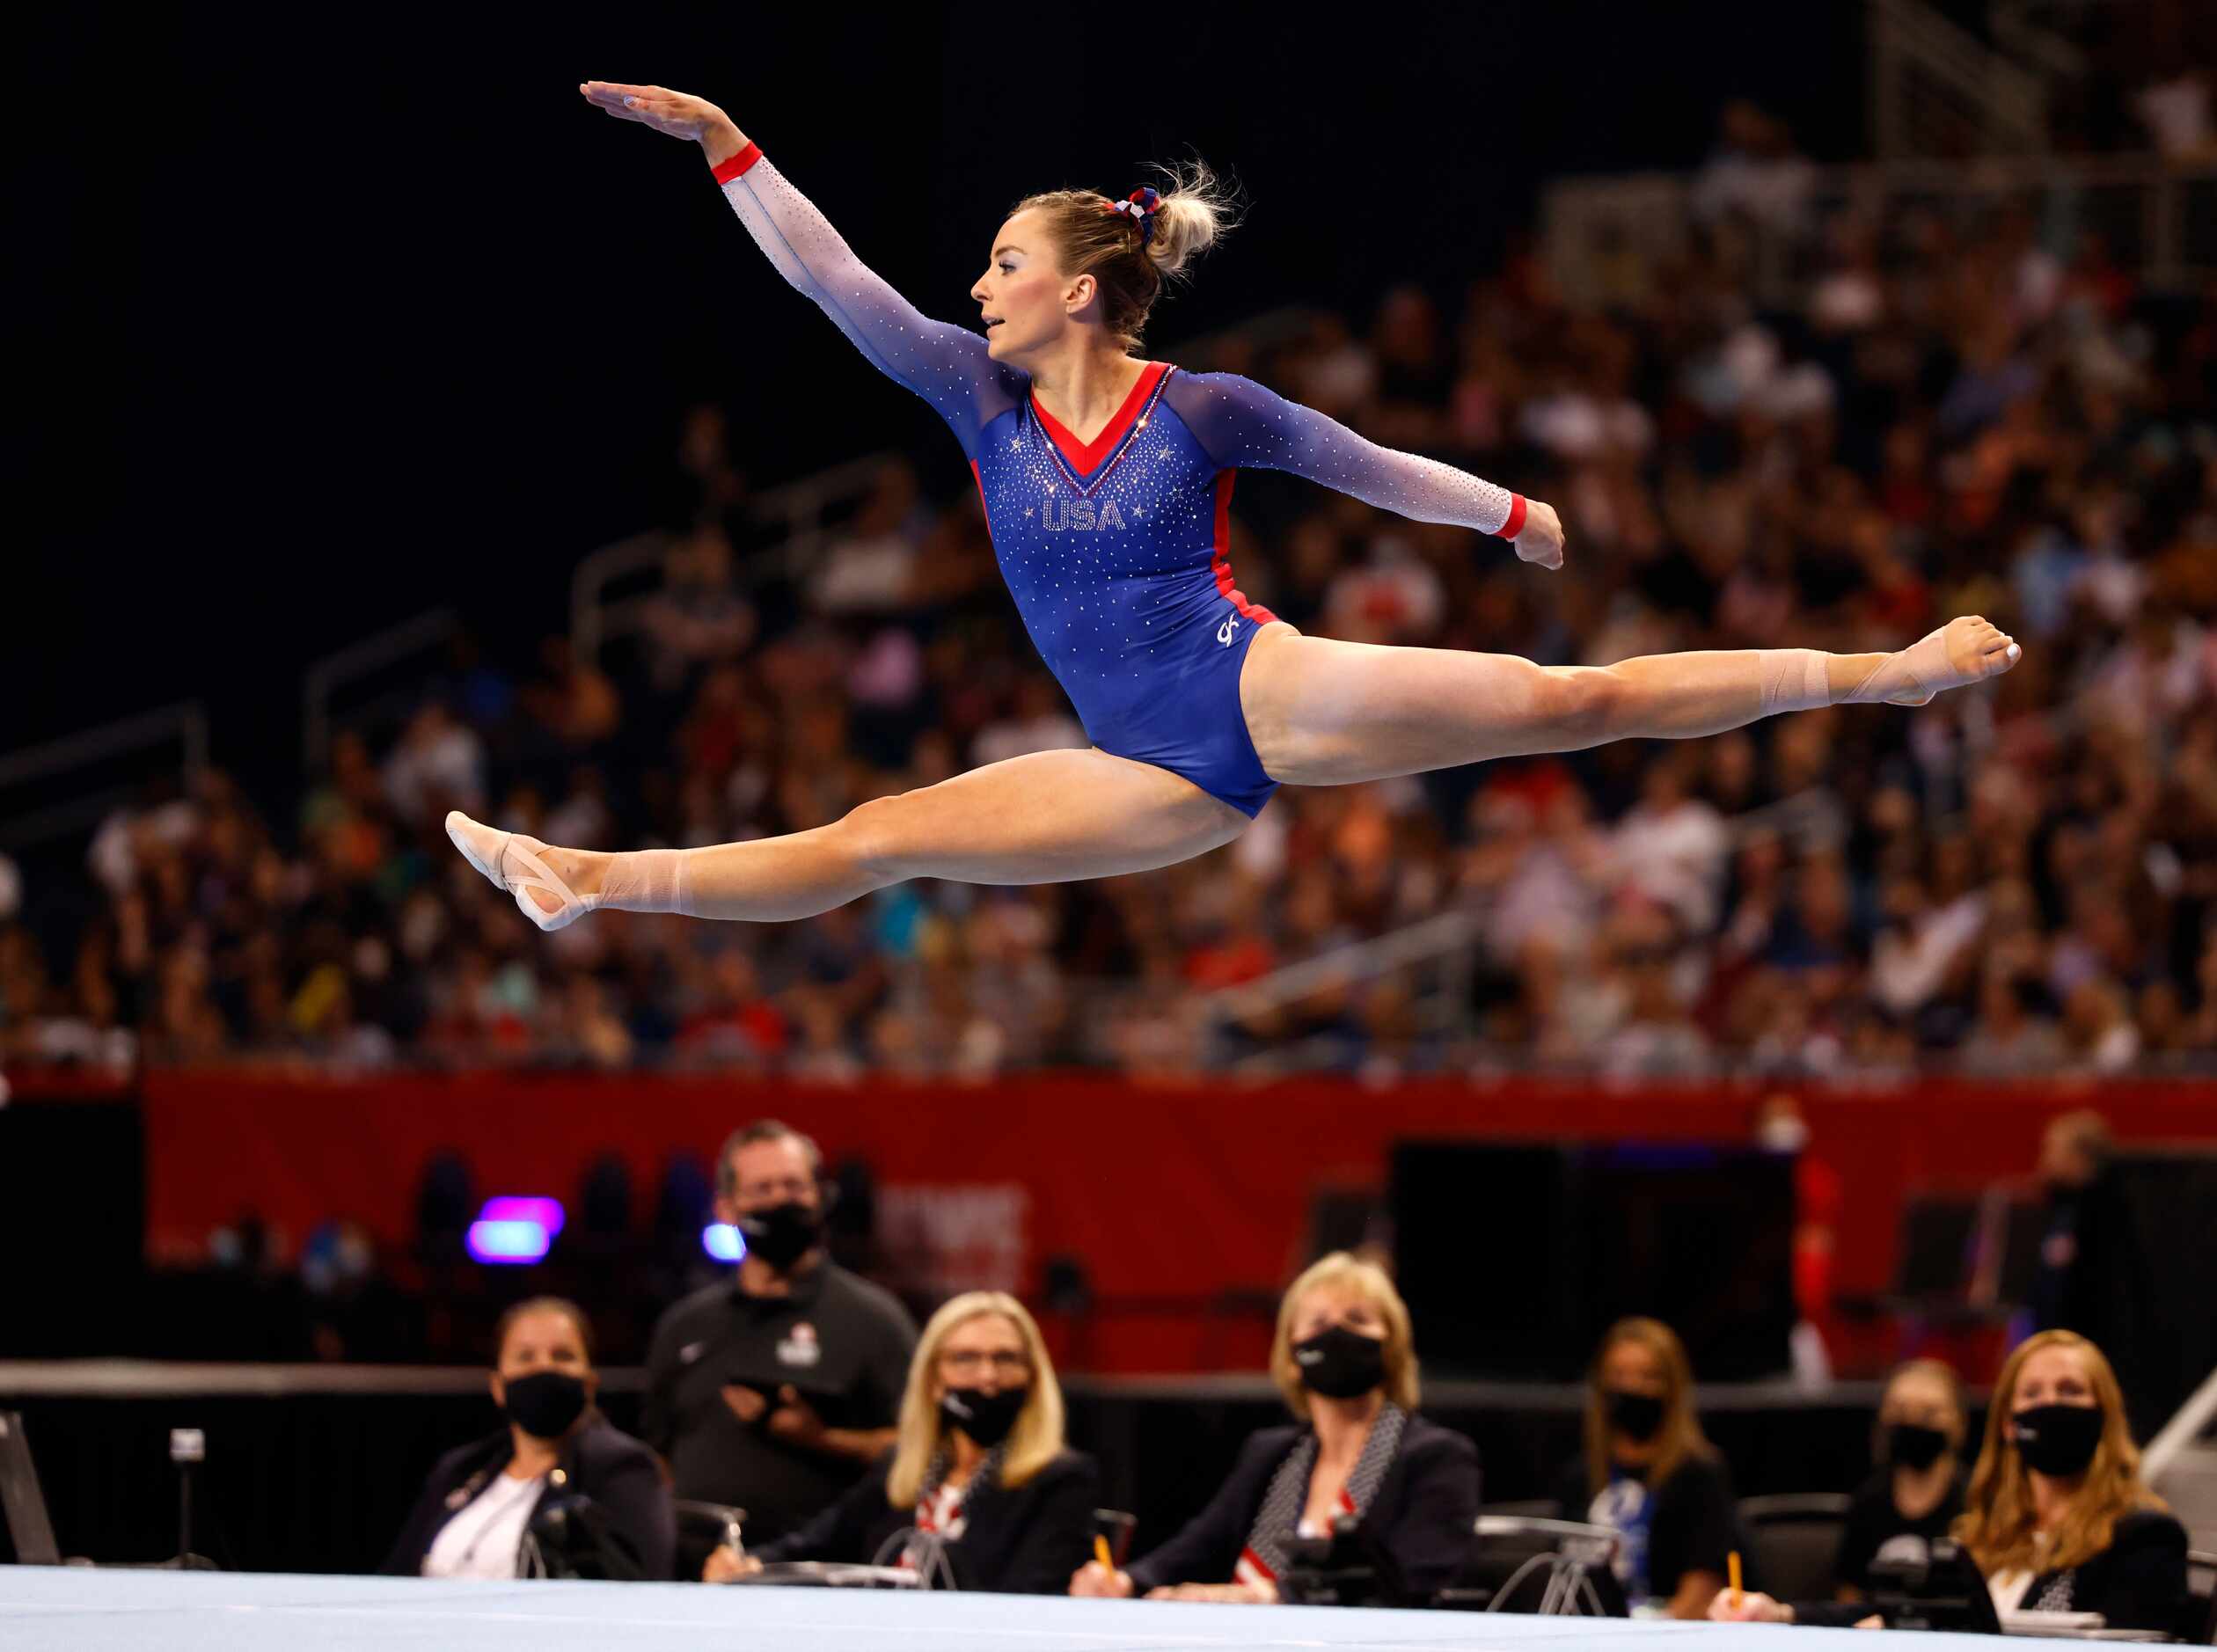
{"x":2021,"y":881}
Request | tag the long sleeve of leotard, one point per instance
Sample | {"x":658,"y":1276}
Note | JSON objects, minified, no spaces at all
{"x":944,"y":364}
{"x":1242,"y":425}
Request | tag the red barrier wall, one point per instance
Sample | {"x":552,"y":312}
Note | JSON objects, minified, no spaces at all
{"x":1176,"y":1195}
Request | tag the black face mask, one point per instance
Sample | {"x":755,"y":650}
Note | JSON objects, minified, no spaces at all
{"x":1910,"y":1446}
{"x":986,"y":1418}
{"x":782,"y":1234}
{"x":545,"y":1403}
{"x":1635,"y":1416}
{"x":1340,"y":1363}
{"x":2057,"y":1440}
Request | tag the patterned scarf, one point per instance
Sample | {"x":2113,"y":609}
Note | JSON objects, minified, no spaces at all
{"x":1278,"y":1522}
{"x":928,"y":1521}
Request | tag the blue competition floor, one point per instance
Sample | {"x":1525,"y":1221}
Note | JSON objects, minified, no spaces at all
{"x":86,"y":1611}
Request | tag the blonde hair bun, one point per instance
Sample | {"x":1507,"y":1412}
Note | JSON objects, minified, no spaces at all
{"x":1197,"y":210}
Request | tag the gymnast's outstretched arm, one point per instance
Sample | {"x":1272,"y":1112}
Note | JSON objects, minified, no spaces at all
{"x":944,"y":364}
{"x":1241,"y":424}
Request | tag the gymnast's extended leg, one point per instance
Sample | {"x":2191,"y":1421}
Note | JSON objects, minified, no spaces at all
{"x":1047,"y":817}
{"x":1323,"y":712}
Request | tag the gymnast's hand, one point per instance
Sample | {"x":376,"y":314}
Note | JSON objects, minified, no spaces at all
{"x":1541,"y":538}
{"x":676,"y":112}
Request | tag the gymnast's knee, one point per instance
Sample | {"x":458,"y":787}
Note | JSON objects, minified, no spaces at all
{"x":1586,"y":702}
{"x":876,"y":836}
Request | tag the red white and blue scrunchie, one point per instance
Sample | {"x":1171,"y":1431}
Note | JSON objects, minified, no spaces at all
{"x":1141,"y":204}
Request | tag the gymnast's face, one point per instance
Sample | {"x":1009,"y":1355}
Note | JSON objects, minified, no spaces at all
{"x":1024,"y":300}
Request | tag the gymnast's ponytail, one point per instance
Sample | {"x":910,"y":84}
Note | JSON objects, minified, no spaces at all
{"x":1132,"y":248}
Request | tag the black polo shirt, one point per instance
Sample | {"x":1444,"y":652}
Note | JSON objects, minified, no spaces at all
{"x":841,"y":1341}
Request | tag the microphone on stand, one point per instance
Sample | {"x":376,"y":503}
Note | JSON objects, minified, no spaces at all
{"x":188,"y":1447}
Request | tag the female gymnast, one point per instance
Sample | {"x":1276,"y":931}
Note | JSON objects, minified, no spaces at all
{"x":1107,"y":481}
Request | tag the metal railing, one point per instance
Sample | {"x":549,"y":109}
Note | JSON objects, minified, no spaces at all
{"x":1937,"y":90}
{"x":358,"y":663}
{"x":2158,"y":218}
{"x":1449,"y":940}
{"x":614,"y":589}
{"x":2192,"y":1420}
{"x":72,"y":765}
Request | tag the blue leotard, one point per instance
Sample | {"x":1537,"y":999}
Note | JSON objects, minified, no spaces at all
{"x":1113,"y":549}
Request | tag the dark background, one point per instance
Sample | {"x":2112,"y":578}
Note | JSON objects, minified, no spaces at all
{"x":318,"y":321}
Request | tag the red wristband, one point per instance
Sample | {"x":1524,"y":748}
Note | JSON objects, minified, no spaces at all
{"x":726,"y":171}
{"x":1514,"y":525}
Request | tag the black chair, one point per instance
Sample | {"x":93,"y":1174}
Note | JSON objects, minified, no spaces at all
{"x":1793,"y":1541}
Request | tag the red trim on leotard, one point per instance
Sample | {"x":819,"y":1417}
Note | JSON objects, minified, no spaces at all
{"x":1086,"y":457}
{"x":726,"y":171}
{"x":1514,"y":526}
{"x":980,"y":481}
{"x":1221,"y":567}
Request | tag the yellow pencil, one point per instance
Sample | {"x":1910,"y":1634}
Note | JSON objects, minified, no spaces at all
{"x":1731,"y":1562}
{"x":1100,"y":1553}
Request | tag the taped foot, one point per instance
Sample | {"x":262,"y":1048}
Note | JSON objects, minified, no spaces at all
{"x":1962,"y":651}
{"x":517,"y":864}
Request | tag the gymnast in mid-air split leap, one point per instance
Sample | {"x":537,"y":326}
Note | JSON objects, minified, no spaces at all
{"x":1107,"y":481}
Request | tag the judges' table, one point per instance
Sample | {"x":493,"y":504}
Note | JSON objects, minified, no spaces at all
{"x":87,"y":1611}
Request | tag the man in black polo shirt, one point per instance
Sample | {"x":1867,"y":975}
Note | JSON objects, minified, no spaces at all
{"x":773,"y":1390}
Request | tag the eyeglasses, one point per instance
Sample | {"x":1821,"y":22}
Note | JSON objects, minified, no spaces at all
{"x":970,"y":1362}
{"x":793,"y":1187}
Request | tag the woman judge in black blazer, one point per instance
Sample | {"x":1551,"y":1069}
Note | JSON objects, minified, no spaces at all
{"x":2057,"y":1518}
{"x":475,"y":1515}
{"x":1345,"y":1360}
{"x":979,"y":1471}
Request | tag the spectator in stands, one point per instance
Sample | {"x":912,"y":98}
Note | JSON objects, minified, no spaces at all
{"x":870,"y":568}
{"x":773,"y":1390}
{"x":437,"y":760}
{"x":1917,"y":1489}
{"x":1345,"y":1360}
{"x":2011,"y":1040}
{"x":486,"y":1503}
{"x":981,"y":1471}
{"x":2004,"y":886}
{"x":1649,"y":1474}
{"x":2056,"y":1517}
{"x":1755,"y":171}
